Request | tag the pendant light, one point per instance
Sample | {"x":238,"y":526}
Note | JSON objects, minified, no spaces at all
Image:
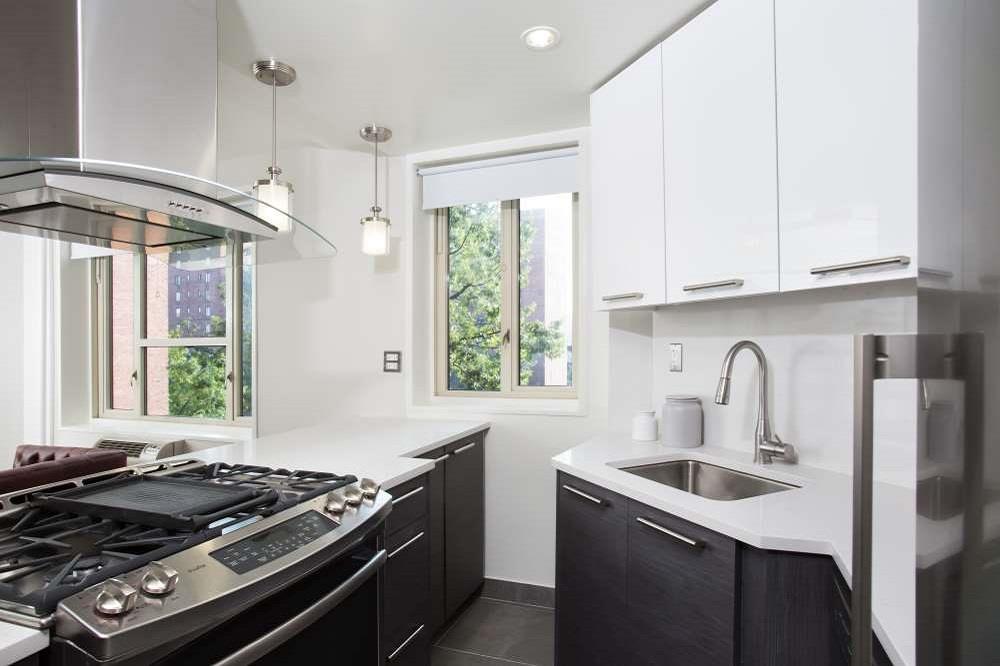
{"x":374,"y":227}
{"x":277,"y":194}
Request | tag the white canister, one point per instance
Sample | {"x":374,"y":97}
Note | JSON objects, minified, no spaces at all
{"x":644,"y":427}
{"x":682,"y":421}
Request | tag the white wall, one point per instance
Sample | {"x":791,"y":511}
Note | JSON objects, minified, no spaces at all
{"x":323,"y":323}
{"x":808,"y":340}
{"x":520,"y":480}
{"x":12,"y":342}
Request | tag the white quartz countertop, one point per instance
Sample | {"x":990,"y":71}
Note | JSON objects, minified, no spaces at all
{"x":381,"y":449}
{"x":813,"y":518}
{"x":377,"y":448}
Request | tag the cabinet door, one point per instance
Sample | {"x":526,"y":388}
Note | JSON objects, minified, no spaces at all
{"x":591,"y":542}
{"x":626,"y":157}
{"x":847,"y":141}
{"x":719,"y":154}
{"x":464,"y":524}
{"x":681,"y":591}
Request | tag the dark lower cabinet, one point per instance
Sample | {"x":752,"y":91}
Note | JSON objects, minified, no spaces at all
{"x":464,"y":523}
{"x":591,"y":560}
{"x":456,"y":526}
{"x":681,"y":591}
{"x":405,"y":631}
{"x":639,"y":587}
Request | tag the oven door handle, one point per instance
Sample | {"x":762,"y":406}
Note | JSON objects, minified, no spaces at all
{"x":286,"y":631}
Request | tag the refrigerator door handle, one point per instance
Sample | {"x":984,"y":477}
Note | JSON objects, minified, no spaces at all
{"x":861,"y":566}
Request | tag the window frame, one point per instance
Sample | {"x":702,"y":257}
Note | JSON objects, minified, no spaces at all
{"x":510,"y":386}
{"x":102,"y":353}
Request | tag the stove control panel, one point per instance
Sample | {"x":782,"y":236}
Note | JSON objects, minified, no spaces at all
{"x":269,"y":545}
{"x":116,"y":597}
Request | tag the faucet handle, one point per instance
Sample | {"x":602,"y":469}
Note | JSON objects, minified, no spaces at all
{"x":776,"y":448}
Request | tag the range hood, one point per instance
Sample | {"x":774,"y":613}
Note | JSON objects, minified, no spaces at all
{"x":109,"y":129}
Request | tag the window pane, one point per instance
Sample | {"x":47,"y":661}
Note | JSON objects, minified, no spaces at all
{"x":545,"y":291}
{"x":473,"y":292}
{"x":186,"y":293}
{"x":122,"y":331}
{"x":186,"y":381}
{"x":246,"y":334}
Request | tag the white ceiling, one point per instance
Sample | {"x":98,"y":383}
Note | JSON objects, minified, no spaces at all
{"x":438,"y":72}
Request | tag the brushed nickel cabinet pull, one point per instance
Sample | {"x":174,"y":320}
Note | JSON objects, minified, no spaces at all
{"x":586,"y":496}
{"x":694,"y":543}
{"x":402,"y":646}
{"x":418,"y":489}
{"x":622,"y":297}
{"x":902,"y":260}
{"x":406,"y":545}
{"x":463,"y":449}
{"x":735,"y":282}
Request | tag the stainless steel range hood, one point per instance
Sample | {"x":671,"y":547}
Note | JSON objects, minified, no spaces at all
{"x":108,"y":128}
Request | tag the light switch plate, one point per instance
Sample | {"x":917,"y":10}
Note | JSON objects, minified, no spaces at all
{"x":392,"y":361}
{"x":676,"y":357}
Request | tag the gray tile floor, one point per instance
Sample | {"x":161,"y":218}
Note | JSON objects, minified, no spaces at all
{"x":494,"y":633}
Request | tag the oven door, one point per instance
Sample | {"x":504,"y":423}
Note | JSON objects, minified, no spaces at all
{"x":334,"y":610}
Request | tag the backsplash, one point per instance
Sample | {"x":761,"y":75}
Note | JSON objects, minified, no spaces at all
{"x":808,"y":340}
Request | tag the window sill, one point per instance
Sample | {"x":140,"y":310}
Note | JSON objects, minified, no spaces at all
{"x":445,"y":406}
{"x":99,"y":427}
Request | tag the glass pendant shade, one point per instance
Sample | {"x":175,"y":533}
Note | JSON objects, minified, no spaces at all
{"x":375,"y":235}
{"x":277,"y":195}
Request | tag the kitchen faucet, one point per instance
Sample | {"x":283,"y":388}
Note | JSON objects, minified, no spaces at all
{"x":766,"y":445}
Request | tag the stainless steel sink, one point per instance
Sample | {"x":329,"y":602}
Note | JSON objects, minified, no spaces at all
{"x":706,"y":480}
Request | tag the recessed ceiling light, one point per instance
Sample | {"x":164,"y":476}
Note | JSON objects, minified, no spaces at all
{"x":540,"y":38}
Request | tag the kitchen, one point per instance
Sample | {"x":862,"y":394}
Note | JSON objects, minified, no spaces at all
{"x":510,"y":416}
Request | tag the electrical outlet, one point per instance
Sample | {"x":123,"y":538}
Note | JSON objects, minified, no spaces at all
{"x":392,"y":361}
{"x":676,"y":357}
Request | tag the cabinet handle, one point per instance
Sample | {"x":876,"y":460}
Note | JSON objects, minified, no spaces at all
{"x":902,"y":260}
{"x":441,"y":459}
{"x":463,"y":449}
{"x":622,"y":297}
{"x":586,"y":496}
{"x":402,"y":646}
{"x":406,"y":545}
{"x":694,"y":543}
{"x":735,"y":282}
{"x":418,"y":489}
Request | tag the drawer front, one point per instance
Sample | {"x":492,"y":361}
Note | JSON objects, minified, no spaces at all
{"x":407,"y":584}
{"x":409,"y":503}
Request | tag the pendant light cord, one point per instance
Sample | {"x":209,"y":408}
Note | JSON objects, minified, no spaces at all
{"x":274,"y":124}
{"x":377,"y":210}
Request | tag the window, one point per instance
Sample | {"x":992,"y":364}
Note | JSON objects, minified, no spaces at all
{"x":159,"y":361}
{"x":506,"y":295}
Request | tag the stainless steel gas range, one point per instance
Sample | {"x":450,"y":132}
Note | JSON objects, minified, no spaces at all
{"x":195,"y":563}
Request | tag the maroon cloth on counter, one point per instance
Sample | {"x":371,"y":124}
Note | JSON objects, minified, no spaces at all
{"x":39,"y":465}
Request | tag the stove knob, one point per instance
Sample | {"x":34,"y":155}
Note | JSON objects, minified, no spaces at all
{"x":369,"y":488}
{"x":335,"y":502}
{"x":159,"y":579}
{"x":353,"y":495}
{"x":115,"y":598}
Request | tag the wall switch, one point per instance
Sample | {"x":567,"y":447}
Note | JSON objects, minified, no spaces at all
{"x":676,"y":357}
{"x":392,"y":361}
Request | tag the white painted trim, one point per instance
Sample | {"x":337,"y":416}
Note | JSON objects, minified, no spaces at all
{"x":517,"y":158}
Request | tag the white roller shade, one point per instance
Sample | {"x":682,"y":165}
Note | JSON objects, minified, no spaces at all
{"x":501,"y":178}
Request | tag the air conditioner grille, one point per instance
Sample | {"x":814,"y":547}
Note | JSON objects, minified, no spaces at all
{"x":131,"y":449}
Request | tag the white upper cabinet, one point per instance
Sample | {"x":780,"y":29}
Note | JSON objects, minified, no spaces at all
{"x":626,"y":144}
{"x":847,"y":140}
{"x":719,"y":153}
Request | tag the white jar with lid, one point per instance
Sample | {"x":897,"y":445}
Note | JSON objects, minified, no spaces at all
{"x":681,"y":421}
{"x":644,"y":426}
